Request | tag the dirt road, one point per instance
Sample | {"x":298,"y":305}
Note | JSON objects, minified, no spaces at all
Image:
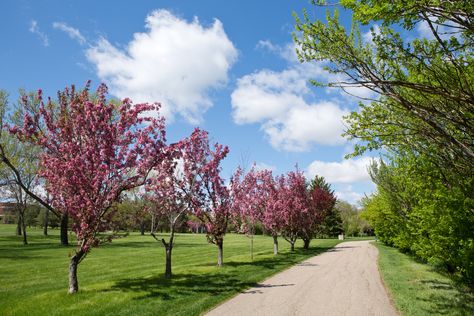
{"x":343,"y":281}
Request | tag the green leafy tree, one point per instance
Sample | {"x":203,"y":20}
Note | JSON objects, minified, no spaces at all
{"x":421,"y":114}
{"x":352,"y":223}
{"x":426,"y":218}
{"x":424,"y":88}
{"x":330,"y":223}
{"x":19,"y":161}
{"x":15,"y":183}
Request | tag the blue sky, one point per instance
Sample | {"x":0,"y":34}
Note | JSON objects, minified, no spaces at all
{"x":226,"y":66}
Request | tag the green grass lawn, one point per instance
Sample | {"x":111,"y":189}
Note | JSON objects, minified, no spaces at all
{"x":125,"y":276}
{"x":417,"y":289}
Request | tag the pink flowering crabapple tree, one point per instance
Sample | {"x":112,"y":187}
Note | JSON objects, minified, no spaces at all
{"x":294,"y":205}
{"x":167,"y":191}
{"x":250,"y":195}
{"x":92,"y":151}
{"x":209,"y":197}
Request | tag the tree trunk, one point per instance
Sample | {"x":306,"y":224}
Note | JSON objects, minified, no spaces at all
{"x":142,"y":228}
{"x":220,"y":252}
{"x":168,"y":249}
{"x":46,"y":222}
{"x":23,"y":226}
{"x":275,"y":245}
{"x":292,"y":247}
{"x":152,"y":228}
{"x":73,"y":285}
{"x":63,"y":234}
{"x":18,"y":226}
{"x":306,"y":242}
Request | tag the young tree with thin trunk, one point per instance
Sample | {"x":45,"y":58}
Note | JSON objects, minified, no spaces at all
{"x":295,"y":209}
{"x":167,"y":192}
{"x":92,"y":151}
{"x":208,"y":195}
{"x":250,"y":193}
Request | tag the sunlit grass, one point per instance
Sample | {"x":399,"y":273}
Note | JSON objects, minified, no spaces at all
{"x":125,"y":277}
{"x":417,"y":289}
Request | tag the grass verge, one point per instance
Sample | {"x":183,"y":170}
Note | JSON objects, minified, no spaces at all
{"x":418,"y":289}
{"x":125,"y":277}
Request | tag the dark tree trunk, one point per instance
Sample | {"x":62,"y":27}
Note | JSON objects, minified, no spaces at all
{"x":73,"y":285}
{"x":275,"y":245}
{"x":46,"y":222}
{"x":306,"y":242}
{"x":18,"y":226}
{"x":23,"y":226}
{"x":220,"y":252}
{"x":168,"y":250}
{"x":63,"y":234}
{"x":142,"y":228}
{"x":292,"y":247}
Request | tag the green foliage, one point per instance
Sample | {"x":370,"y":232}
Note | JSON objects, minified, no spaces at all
{"x":427,"y":218}
{"x":352,"y":223}
{"x":124,"y":277}
{"x":423,"y":87}
{"x":331,"y":225}
{"x":131,"y":215}
{"x":53,"y":221}
{"x":421,"y":114}
{"x":320,"y":182}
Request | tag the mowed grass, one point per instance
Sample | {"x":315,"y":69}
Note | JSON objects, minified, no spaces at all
{"x":417,"y":289}
{"x":125,"y":277}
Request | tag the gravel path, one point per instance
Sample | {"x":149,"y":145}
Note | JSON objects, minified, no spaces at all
{"x":342,"y":281}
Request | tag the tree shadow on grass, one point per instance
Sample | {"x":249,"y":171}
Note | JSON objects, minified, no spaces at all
{"x":444,"y":301}
{"x":285,"y":258}
{"x":221,"y":283}
{"x":182,"y":285}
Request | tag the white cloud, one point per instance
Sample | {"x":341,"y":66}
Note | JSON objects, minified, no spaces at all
{"x":305,"y":125}
{"x":349,"y":195}
{"x":34,"y":28}
{"x":73,"y":33}
{"x":174,"y":62}
{"x":346,"y":171}
{"x":265,"y":166}
{"x":277,"y":101}
{"x":287,"y":52}
{"x":268,"y":45}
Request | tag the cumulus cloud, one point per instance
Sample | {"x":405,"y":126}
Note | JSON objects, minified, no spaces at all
{"x":287,"y":52}
{"x":277,"y":101}
{"x":268,"y":45}
{"x":346,"y":171}
{"x":349,"y":195}
{"x":34,"y":28}
{"x":265,"y":166}
{"x":174,"y":62}
{"x":73,"y":33}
